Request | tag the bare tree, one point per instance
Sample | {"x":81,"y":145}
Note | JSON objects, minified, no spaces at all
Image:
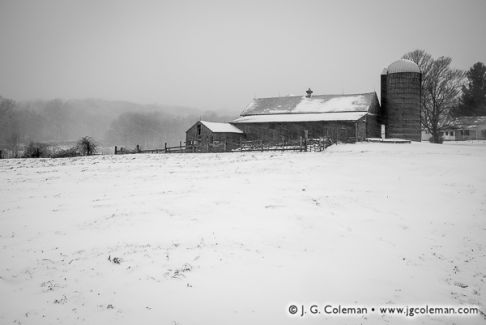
{"x":441,"y":87}
{"x":87,"y":146}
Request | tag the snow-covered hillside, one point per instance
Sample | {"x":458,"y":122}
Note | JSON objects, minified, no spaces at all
{"x":235,"y":238}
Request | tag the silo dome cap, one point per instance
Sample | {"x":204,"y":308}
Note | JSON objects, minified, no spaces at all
{"x":403,"y":65}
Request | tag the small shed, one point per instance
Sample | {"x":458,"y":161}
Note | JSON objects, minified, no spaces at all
{"x":206,"y":136}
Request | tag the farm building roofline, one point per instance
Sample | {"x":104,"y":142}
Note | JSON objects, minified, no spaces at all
{"x":308,"y":117}
{"x":218,"y":127}
{"x":315,"y":104}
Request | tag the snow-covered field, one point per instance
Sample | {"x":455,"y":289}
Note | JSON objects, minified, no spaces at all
{"x":235,"y":238}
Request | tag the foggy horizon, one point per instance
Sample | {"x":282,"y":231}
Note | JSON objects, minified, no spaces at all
{"x":219,"y":55}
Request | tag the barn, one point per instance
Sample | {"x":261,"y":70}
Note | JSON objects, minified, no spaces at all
{"x":278,"y":121}
{"x":347,"y":117}
{"x":206,"y":136}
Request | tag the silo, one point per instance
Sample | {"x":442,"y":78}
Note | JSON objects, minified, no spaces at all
{"x":400,"y":100}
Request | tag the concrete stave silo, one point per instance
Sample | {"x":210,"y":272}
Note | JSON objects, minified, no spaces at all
{"x":400,"y":100}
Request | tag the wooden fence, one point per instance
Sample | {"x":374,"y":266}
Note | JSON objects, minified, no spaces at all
{"x":176,"y":149}
{"x":244,"y":145}
{"x":292,"y":145}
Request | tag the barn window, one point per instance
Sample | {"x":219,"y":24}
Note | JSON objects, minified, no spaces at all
{"x":199,"y":129}
{"x":466,"y":132}
{"x":452,"y":133}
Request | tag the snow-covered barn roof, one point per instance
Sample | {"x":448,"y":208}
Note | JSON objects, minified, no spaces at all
{"x":310,"y":117}
{"x":218,"y":127}
{"x":314,"y":104}
{"x":467,"y":122}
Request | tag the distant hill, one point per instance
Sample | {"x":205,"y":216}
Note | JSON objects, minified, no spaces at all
{"x":109,"y":107}
{"x":109,"y":122}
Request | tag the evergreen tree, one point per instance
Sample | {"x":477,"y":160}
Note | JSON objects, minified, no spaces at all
{"x":473,"y":99}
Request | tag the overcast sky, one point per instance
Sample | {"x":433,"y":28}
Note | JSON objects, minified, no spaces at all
{"x":221,"y":54}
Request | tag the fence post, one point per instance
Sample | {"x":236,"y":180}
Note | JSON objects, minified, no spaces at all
{"x":116,"y":150}
{"x":300,"y":144}
{"x":138,"y":148}
{"x":180,"y":146}
{"x":165,"y":147}
{"x":241,"y":143}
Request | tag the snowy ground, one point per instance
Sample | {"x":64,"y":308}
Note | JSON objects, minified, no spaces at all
{"x":235,"y":238}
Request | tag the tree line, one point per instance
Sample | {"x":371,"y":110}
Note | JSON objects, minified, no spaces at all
{"x":58,"y":122}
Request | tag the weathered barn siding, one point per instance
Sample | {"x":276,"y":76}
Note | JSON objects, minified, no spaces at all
{"x":366,"y":127}
{"x":374,"y":119}
{"x":373,"y":126}
{"x":295,"y":130}
{"x":199,"y":138}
